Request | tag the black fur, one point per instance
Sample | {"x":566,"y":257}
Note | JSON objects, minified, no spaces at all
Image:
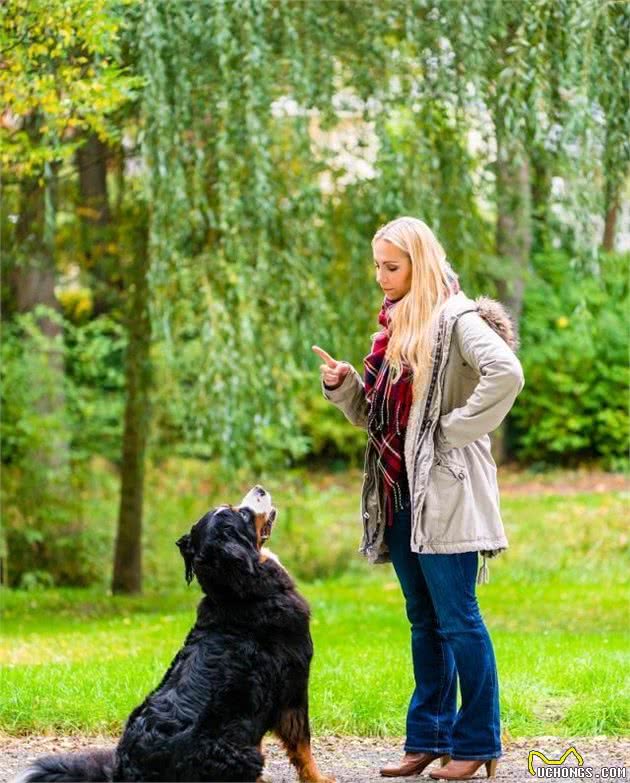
{"x":243,"y":671}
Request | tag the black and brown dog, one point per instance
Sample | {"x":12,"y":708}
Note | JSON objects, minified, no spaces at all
{"x":242,"y":672}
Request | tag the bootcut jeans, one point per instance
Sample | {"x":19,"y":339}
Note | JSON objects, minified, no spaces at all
{"x":448,"y":639}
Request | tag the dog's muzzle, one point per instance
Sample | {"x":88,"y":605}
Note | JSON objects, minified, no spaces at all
{"x":259,"y":500}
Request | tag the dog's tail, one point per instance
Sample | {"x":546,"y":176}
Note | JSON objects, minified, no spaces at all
{"x":94,"y":765}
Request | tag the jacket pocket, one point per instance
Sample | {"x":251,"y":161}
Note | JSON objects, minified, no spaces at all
{"x":445,"y":500}
{"x":484,"y":485}
{"x":452,"y":460}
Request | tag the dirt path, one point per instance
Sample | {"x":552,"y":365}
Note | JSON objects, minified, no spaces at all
{"x":357,"y":760}
{"x":514,"y":481}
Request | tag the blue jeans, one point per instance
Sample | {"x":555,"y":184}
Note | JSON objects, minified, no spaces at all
{"x":448,"y":638}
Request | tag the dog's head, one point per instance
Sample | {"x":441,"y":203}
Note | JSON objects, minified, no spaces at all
{"x":223,"y":547}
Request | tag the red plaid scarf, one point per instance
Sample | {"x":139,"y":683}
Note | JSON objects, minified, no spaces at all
{"x":388,"y":413}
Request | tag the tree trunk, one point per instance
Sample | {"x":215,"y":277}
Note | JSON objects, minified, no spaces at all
{"x":43,"y":494}
{"x":541,"y":192}
{"x":32,"y":281}
{"x":127,"y":576}
{"x":99,"y":249}
{"x":33,"y":274}
{"x":514,"y":224}
{"x":513,"y":240}
{"x":610,"y":225}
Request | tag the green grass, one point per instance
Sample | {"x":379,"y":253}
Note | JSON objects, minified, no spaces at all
{"x":556,"y":608}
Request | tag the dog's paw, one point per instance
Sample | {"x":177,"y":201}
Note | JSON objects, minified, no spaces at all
{"x":319,"y":779}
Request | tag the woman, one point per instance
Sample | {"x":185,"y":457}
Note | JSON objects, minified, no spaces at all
{"x":441,"y":375}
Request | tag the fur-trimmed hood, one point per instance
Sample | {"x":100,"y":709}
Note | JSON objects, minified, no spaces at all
{"x":497,"y":317}
{"x":493,"y":313}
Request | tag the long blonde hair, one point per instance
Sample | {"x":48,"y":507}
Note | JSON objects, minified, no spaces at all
{"x":414,"y":317}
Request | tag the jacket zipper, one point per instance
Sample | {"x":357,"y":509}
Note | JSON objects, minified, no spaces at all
{"x":426,"y":421}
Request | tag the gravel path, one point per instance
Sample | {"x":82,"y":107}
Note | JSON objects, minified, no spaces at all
{"x":357,"y":759}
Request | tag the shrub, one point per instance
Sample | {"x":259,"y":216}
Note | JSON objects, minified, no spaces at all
{"x":574,"y":337}
{"x":61,"y":404}
{"x":332,"y":438}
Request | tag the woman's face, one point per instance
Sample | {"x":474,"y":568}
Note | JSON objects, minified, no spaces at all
{"x":393,"y":269}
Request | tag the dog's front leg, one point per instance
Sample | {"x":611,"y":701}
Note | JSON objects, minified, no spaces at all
{"x":294,"y":732}
{"x":260,"y":749}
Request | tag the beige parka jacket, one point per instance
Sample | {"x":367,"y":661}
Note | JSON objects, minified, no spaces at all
{"x":474,"y":380}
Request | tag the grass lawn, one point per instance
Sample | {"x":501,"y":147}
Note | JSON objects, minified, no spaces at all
{"x":556,"y":608}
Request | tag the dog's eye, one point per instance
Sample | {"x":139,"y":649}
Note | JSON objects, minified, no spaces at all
{"x":246,"y":513}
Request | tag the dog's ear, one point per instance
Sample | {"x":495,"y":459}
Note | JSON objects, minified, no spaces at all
{"x":228,"y":563}
{"x":187,"y":551}
{"x":239,"y":556}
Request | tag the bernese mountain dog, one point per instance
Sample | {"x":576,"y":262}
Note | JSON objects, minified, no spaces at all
{"x":242,"y":672}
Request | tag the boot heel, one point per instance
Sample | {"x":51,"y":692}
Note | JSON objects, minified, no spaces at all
{"x":491,"y":768}
{"x":444,"y":760}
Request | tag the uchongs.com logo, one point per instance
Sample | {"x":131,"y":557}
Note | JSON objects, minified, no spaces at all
{"x":553,"y":768}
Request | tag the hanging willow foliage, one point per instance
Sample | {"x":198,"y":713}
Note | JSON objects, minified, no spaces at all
{"x":249,"y":266}
{"x":236,"y":241}
{"x":252,"y":259}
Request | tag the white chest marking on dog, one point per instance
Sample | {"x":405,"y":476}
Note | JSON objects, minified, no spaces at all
{"x":267,"y":554}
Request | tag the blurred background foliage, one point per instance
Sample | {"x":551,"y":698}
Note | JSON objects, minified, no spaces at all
{"x":190,"y":190}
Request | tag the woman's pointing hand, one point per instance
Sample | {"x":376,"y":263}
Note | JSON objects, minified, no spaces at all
{"x":332,"y":371}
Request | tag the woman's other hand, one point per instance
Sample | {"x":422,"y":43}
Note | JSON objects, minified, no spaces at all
{"x":332,"y":371}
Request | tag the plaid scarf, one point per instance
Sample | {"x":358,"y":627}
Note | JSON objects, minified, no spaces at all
{"x":389,"y":405}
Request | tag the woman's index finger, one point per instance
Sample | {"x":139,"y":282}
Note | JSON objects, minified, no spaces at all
{"x":325,"y":356}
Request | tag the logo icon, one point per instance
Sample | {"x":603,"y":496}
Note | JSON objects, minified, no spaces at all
{"x":555,"y":762}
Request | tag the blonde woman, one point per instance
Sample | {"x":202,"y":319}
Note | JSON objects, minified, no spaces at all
{"x":441,"y":375}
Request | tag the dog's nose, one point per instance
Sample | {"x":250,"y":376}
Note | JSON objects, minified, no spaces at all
{"x":259,"y":490}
